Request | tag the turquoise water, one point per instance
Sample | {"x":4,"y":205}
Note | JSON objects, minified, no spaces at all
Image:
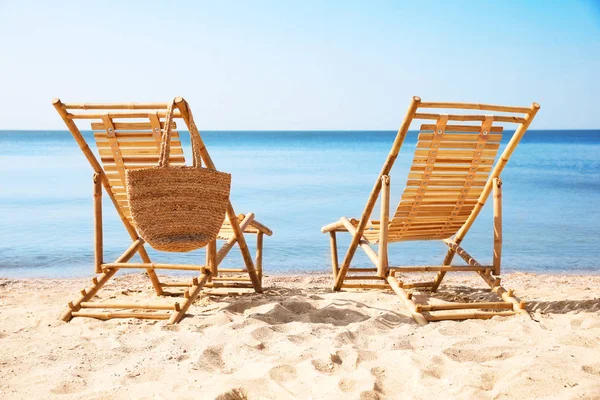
{"x":296,"y":182}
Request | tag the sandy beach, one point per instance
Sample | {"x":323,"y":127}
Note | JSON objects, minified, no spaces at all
{"x":301,"y":340}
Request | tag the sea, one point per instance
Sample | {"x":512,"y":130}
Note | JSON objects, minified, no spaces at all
{"x":295,"y":182}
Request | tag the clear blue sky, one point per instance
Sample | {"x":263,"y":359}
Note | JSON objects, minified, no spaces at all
{"x":302,"y":64}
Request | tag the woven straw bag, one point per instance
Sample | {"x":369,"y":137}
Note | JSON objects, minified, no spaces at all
{"x":178,"y":208}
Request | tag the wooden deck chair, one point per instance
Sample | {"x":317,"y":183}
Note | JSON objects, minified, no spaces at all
{"x":452,"y":176}
{"x":127,"y":136}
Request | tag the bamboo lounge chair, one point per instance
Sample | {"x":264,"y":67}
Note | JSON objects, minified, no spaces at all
{"x":452,"y":176}
{"x":127,"y":136}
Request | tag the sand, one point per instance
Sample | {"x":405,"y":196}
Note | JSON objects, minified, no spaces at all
{"x":300,"y":340}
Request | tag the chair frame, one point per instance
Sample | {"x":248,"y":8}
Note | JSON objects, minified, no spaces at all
{"x":386,"y":274}
{"x":208,"y":273}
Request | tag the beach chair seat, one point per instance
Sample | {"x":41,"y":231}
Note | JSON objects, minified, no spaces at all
{"x":453,"y":172}
{"x":128,"y":136}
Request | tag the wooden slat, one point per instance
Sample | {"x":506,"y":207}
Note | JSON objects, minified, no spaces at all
{"x":111,"y":315}
{"x":230,"y":279}
{"x":451,"y":168}
{"x":475,"y":106}
{"x":431,"y":216}
{"x":430,"y":208}
{"x":132,"y":135}
{"x":141,"y":144}
{"x":437,"y":268}
{"x":436,"y":190}
{"x":131,"y":126}
{"x":426,"y":229}
{"x":409,"y":237}
{"x":180,"y":267}
{"x":131,"y":306}
{"x":453,"y":160}
{"x":228,"y":284}
{"x":461,"y":128}
{"x":462,"y":117}
{"x":457,"y":137}
{"x":112,"y":168}
{"x":442,"y":175}
{"x":138,"y":152}
{"x":425,"y":144}
{"x":142,"y":159}
{"x":439,"y":198}
{"x":417,"y":224}
{"x":455,"y":153}
{"x":114,"y":106}
{"x":436,"y":206}
{"x":446,"y":182}
{"x":468,"y":315}
{"x":466,"y":306}
{"x":122,"y":115}
{"x":364,"y":278}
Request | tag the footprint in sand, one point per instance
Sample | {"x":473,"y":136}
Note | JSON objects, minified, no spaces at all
{"x":593,"y":369}
{"x":349,"y":358}
{"x":369,"y":395}
{"x":212,"y":360}
{"x":283,"y":372}
{"x":234,"y":394}
{"x":324,"y":367}
{"x":345,"y":337}
{"x":329,"y":366}
{"x":297,"y":339}
{"x":478,"y":356}
{"x":379,"y":375}
{"x":347,"y":385}
{"x":433,"y":369}
{"x":69,"y":385}
{"x":486,"y":381}
{"x":580,"y":341}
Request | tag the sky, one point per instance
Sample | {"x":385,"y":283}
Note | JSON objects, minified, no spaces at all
{"x":296,"y":65}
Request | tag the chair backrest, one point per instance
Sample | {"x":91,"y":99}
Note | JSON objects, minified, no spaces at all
{"x":127,"y":136}
{"x":132,"y":143}
{"x":453,"y":167}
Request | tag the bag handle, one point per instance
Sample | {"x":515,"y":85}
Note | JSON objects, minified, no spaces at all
{"x":165,"y":143}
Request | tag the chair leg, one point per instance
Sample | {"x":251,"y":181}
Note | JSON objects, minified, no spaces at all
{"x":211,"y":259}
{"x":382,"y":264}
{"x":98,"y":235}
{"x":190,"y":296}
{"x":407,"y":300}
{"x":259,"y":255}
{"x":97,"y":283}
{"x":241,"y":241}
{"x":334,"y":254}
{"x":497,"y":225}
